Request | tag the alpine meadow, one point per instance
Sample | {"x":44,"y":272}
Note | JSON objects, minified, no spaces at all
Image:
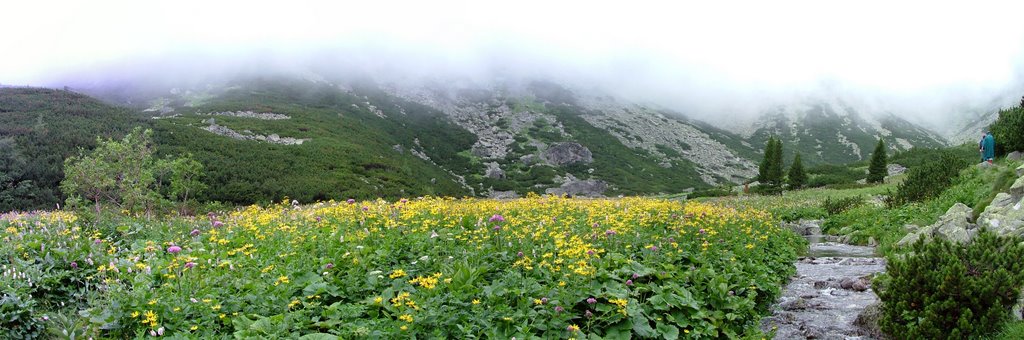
{"x":464,"y":170}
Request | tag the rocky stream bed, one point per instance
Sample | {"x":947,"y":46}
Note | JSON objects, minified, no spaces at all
{"x":830,"y":297}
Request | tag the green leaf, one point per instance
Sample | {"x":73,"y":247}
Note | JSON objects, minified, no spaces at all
{"x":318,"y":336}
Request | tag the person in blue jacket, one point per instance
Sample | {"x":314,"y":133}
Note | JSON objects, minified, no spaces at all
{"x":989,"y":147}
{"x":981,"y":146}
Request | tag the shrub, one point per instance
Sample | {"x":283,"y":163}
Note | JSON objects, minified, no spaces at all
{"x":928,"y":180}
{"x":944,"y":290}
{"x":839,"y":205}
{"x":1008,"y":130}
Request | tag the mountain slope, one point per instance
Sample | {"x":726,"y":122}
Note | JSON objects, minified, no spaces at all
{"x":39,"y":128}
{"x":832,"y":132}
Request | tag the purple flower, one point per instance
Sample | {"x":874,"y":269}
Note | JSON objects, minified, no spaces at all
{"x":403,"y":200}
{"x":318,"y":219}
{"x":173,"y":249}
{"x":544,"y":300}
{"x":610,"y":232}
{"x":519,"y":254}
{"x":329,"y":265}
{"x":497,"y":228}
{"x":497,"y":218}
{"x":595,"y":225}
{"x":635,"y":276}
{"x":194,"y":233}
{"x":591,"y":300}
{"x":190,"y":264}
{"x":559,"y":309}
{"x":588,"y":314}
{"x":97,"y":241}
{"x":701,"y":231}
{"x":217,"y":224}
{"x":654,"y":248}
{"x":366,"y":208}
{"x":590,"y":252}
{"x":74,"y":265}
{"x":629,"y":282}
{"x":351,"y":201}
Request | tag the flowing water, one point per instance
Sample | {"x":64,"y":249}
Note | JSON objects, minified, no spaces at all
{"x":830,"y":290}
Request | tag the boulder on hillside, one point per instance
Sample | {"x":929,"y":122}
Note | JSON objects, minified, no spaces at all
{"x":587,"y":188}
{"x":501,"y":195}
{"x":568,"y":153}
{"x":955,"y":226}
{"x":1020,"y":170}
{"x":985,"y":165}
{"x":1014,"y":156}
{"x":895,"y":169}
{"x":1005,"y":215}
{"x":494,"y":171}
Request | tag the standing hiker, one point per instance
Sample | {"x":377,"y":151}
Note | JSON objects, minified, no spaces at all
{"x":981,"y":146}
{"x":989,"y":147}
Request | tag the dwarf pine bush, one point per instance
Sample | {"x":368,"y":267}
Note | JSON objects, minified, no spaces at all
{"x":944,"y":290}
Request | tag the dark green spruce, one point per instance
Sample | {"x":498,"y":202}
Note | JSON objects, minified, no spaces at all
{"x":797,"y":177}
{"x":877,"y":168}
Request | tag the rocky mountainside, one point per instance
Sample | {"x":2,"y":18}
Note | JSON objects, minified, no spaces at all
{"x":498,"y":138}
{"x":830,"y":131}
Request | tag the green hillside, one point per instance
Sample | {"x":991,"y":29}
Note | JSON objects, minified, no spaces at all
{"x":39,"y":128}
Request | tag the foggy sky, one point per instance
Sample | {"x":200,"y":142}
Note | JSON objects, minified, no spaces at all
{"x":927,"y":60}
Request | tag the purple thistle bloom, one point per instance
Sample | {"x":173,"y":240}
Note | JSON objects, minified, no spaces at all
{"x":701,"y":231}
{"x":559,"y":309}
{"x":544,"y":300}
{"x":590,"y":252}
{"x":74,"y":265}
{"x":329,"y":265}
{"x":173,"y":249}
{"x":217,"y":224}
{"x":635,"y":276}
{"x":97,"y":241}
{"x":654,"y":248}
{"x":366,"y":208}
{"x":610,"y":232}
{"x":318,"y":219}
{"x":190,"y":264}
{"x":351,"y":201}
{"x":588,"y":314}
{"x":591,"y":300}
{"x":403,"y":200}
{"x":497,"y":218}
{"x":629,"y":282}
{"x":194,"y":233}
{"x":497,"y":228}
{"x":595,"y":225}
{"x":519,"y":254}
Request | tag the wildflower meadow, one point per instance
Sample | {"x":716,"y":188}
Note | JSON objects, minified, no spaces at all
{"x":541,"y":266}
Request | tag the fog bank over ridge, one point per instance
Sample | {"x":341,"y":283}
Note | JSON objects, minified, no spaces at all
{"x":723,"y":62}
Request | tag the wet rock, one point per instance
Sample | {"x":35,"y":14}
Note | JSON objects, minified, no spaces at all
{"x":1020,"y":170}
{"x":812,"y":332}
{"x":1013,"y":156}
{"x":568,"y":153}
{"x":795,"y":304}
{"x":854,"y":284}
{"x":868,"y":319}
{"x":838,"y":292}
{"x":824,"y":284}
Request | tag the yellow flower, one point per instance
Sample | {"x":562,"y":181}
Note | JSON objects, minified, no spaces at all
{"x":404,"y":327}
{"x":135,"y":314}
{"x":280,"y":280}
{"x":397,"y":274}
{"x":476,"y":301}
{"x":378,"y":300}
{"x":405,"y":317}
{"x":215,"y":307}
{"x":152,"y":302}
{"x":293,"y":304}
{"x":194,"y":327}
{"x":573,"y":328}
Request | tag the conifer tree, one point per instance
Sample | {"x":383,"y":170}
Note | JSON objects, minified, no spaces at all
{"x":797,"y":176}
{"x":877,"y":168}
{"x":762,"y":169}
{"x":775,"y":171}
